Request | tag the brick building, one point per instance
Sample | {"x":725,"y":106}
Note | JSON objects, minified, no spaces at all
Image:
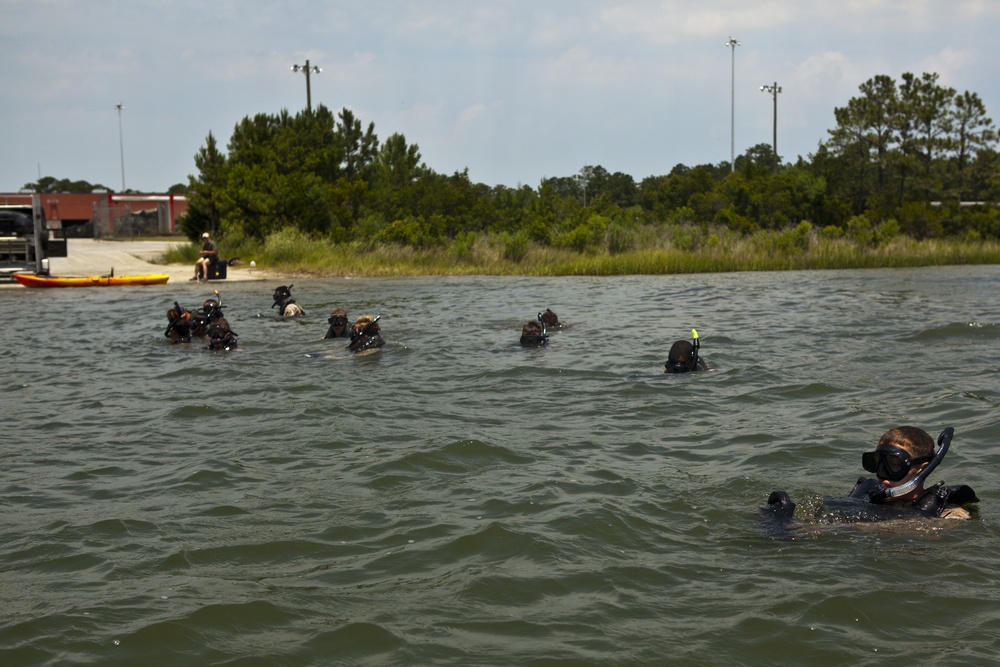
{"x":106,"y":214}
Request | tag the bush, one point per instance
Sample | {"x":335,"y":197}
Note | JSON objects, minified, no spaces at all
{"x":463,"y":245}
{"x":620,"y":238}
{"x":728,"y":217}
{"x":831,"y":232}
{"x":887,"y":231}
{"x":515,"y":247}
{"x":287,"y":245}
{"x":859,"y":230}
{"x":414,"y":232}
{"x":685,"y":237}
{"x":586,"y":236}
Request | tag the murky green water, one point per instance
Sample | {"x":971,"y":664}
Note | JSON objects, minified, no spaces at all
{"x":459,"y":500}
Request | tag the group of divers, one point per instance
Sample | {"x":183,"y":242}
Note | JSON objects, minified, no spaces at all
{"x":902,"y":460}
{"x":209,"y":323}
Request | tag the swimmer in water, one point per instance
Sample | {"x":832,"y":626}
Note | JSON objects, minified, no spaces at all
{"x":338,"y":324}
{"x":549,"y":319}
{"x":366,"y":334}
{"x":533,"y":333}
{"x":683,"y":356}
{"x":286,"y":303}
{"x":901,"y":462}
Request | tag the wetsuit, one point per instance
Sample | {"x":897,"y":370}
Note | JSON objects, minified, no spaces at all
{"x":684,"y":366}
{"x":929,"y":503}
{"x":857,"y":506}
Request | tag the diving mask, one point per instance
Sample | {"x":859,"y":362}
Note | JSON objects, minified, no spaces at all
{"x":891,"y":463}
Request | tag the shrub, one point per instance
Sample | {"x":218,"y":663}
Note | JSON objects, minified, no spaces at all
{"x":859,"y":230}
{"x":831,"y":232}
{"x":287,"y":245}
{"x":886,"y":231}
{"x":620,"y":238}
{"x":515,"y":247}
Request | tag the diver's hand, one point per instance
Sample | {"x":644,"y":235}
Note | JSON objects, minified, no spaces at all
{"x":779,"y":503}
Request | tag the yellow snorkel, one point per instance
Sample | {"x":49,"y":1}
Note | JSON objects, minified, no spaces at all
{"x":697,"y":344}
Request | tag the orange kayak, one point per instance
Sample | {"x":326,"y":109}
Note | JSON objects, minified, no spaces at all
{"x":31,"y":280}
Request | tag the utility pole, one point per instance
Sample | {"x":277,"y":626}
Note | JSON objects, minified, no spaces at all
{"x":121,"y":142}
{"x":733,"y":43}
{"x":307,"y":70}
{"x":774,"y":90}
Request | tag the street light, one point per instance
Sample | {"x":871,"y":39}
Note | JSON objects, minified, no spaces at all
{"x":774,"y":90}
{"x":121,"y":143}
{"x":733,"y":43}
{"x":307,"y":70}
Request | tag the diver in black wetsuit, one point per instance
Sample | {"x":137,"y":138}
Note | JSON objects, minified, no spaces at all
{"x":683,"y":356}
{"x":901,"y":462}
{"x":534,"y":333}
{"x":366,"y":334}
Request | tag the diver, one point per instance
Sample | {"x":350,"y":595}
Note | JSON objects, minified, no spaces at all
{"x":366,"y":334}
{"x":210,"y":312}
{"x":901,"y":462}
{"x":683,"y":356}
{"x":179,"y":330}
{"x":338,"y":324}
{"x":533,"y":333}
{"x":220,"y":336}
{"x":549,"y":319}
{"x":283,"y":297}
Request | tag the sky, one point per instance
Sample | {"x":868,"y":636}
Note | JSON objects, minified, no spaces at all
{"x":512,"y":90}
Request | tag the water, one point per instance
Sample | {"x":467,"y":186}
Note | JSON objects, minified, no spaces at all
{"x":457,"y":500}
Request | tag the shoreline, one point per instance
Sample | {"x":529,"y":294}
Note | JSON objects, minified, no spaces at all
{"x":89,"y":257}
{"x":94,"y":257}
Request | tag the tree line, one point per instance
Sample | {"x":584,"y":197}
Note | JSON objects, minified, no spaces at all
{"x":905,"y":157}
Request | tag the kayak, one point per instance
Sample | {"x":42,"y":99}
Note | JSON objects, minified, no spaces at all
{"x":31,"y":280}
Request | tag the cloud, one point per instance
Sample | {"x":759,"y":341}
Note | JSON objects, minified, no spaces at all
{"x":470,"y":114}
{"x":949,"y":63}
{"x":579,"y":67}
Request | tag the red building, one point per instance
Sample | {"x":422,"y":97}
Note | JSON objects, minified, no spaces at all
{"x":106,"y":213}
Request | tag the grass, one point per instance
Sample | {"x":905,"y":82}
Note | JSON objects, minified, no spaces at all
{"x":292,"y":253}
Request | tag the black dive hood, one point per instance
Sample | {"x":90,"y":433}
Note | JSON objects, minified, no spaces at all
{"x":689,"y":366}
{"x":882,"y":493}
{"x":283,"y":295}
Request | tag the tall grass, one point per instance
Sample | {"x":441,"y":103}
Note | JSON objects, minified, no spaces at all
{"x":655,"y":252}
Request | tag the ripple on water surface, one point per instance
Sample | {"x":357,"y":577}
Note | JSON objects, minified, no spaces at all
{"x":467,"y":501}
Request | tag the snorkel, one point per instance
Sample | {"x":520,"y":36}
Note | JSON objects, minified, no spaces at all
{"x":881,"y":493}
{"x":545,"y":333}
{"x":696,"y":344}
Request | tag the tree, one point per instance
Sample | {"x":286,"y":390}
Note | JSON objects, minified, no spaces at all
{"x":204,"y":190}
{"x":52,"y":185}
{"x":929,"y":107}
{"x":974,"y":132}
{"x":360,"y":148}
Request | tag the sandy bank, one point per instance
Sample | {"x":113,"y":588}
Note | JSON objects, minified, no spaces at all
{"x":88,"y":257}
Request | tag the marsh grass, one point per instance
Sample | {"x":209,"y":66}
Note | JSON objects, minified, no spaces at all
{"x":667,"y":251}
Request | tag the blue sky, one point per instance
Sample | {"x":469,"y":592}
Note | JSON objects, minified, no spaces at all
{"x":513,"y":90}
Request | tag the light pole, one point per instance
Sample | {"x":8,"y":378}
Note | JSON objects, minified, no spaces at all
{"x":774,"y":90}
{"x":307,"y":70}
{"x":121,"y":142}
{"x":733,"y":43}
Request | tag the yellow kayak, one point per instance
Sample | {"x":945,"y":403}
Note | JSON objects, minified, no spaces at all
{"x":31,"y":280}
